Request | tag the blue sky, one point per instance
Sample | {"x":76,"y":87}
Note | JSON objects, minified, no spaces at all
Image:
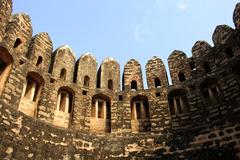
{"x":125,"y":29}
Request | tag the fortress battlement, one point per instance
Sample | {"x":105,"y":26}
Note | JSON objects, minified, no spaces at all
{"x":70,"y":108}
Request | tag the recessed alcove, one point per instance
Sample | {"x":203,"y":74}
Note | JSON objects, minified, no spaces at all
{"x":31,"y":94}
{"x":140,"y":114}
{"x":6,"y":62}
{"x":100,"y":114}
{"x":178,"y":103}
{"x":134,"y":85}
{"x":210,"y":92}
{"x":86,"y":81}
{"x":64,"y":107}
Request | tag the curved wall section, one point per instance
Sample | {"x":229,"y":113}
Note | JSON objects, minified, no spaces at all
{"x":109,"y":75}
{"x":5,"y":15}
{"x":18,"y":33}
{"x":63,"y":62}
{"x":156,"y":73}
{"x":86,"y":70}
{"x":52,"y":107}
{"x":132,"y":76}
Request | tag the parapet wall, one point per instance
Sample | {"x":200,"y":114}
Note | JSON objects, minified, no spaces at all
{"x":70,"y":109}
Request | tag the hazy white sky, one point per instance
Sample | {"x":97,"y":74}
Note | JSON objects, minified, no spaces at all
{"x":125,"y":29}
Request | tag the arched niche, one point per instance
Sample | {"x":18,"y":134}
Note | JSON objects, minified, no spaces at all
{"x":132,"y":72}
{"x":40,"y":51}
{"x":86,"y":81}
{"x":62,"y":63}
{"x":178,"y":103}
{"x":100,"y":113}
{"x":64,"y":107}
{"x":39,"y":61}
{"x":109,"y":75}
{"x":6,"y":62}
{"x":179,"y":67}
{"x":236,"y":69}
{"x":17,"y":43}
{"x":157,"y":82}
{"x":5,"y":14}
{"x":110,"y":84}
{"x":181,"y":77}
{"x":210,"y":91}
{"x":156,"y":73}
{"x":18,"y":33}
{"x":229,"y":52}
{"x":206,"y":67}
{"x":134,"y":85}
{"x":63,"y":74}
{"x":140,"y":114}
{"x":31,"y":94}
{"x":86,"y":65}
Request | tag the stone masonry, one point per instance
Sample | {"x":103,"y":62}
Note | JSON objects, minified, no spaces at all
{"x":54,"y":106}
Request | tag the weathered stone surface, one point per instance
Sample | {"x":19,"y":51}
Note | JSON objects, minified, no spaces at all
{"x":5,"y":14}
{"x":18,"y":33}
{"x":132,"y":72}
{"x":222,"y":35}
{"x":40,"y":51}
{"x":63,"y":62}
{"x":87,"y":67}
{"x":50,"y":113}
{"x":179,"y":67}
{"x":155,"y":70}
{"x":200,"y":48}
{"x":236,"y":16}
{"x":109,"y":75}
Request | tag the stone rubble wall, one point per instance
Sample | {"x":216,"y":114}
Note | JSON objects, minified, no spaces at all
{"x":203,"y":132}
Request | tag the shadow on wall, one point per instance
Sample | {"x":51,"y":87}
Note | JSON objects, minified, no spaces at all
{"x":218,"y":153}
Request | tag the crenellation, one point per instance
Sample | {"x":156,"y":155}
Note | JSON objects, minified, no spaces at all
{"x":132,"y":76}
{"x":179,"y":67}
{"x":156,"y":73}
{"x":5,"y":14}
{"x":222,"y":35}
{"x":200,"y":49}
{"x":109,"y":75}
{"x":40,"y":51}
{"x":63,"y":62}
{"x":236,"y":16}
{"x":71,"y":109}
{"x":86,"y":70}
{"x":18,"y":33}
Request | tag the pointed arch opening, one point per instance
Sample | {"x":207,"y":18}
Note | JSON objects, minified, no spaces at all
{"x":110,"y":84}
{"x":178,"y":103}
{"x":64,"y":107}
{"x":32,"y":89}
{"x":134,"y":85}
{"x":157,"y":82}
{"x":210,"y":91}
{"x":192,"y":66}
{"x":206,"y":67}
{"x":17,"y":43}
{"x":6,"y":62}
{"x":31,"y":94}
{"x":101,"y":113}
{"x":140,"y":114}
{"x":181,"y":77}
{"x":229,"y":52}
{"x":86,"y":81}
{"x":63,"y":74}
{"x":236,"y":69}
{"x":65,"y":100}
{"x":39,"y":61}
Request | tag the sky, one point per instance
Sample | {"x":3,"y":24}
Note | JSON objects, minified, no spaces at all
{"x":126,"y":29}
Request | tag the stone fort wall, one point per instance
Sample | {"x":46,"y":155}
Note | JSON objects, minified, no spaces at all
{"x":54,"y":106}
